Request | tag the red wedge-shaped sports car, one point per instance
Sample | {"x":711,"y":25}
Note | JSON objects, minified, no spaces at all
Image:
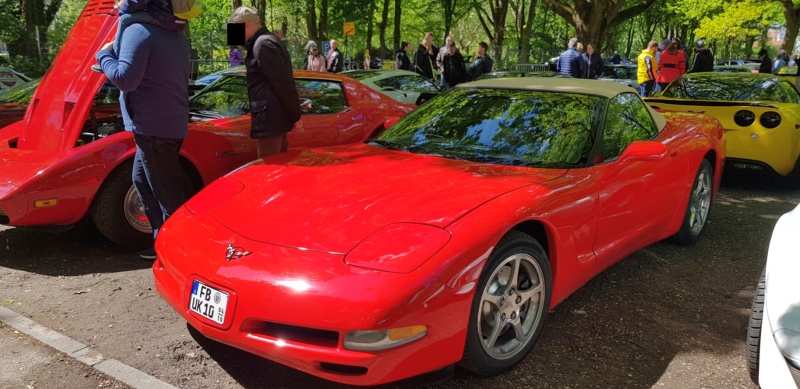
{"x":69,"y":157}
{"x":447,"y":239}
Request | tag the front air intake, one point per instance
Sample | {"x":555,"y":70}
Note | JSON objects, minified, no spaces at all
{"x":4,"y":219}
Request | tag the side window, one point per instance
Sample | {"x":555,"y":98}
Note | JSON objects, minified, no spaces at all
{"x":791,"y":92}
{"x":627,"y":120}
{"x":388,"y":83}
{"x":321,"y":97}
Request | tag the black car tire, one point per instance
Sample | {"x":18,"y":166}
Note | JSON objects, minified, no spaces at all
{"x":532,"y":259}
{"x":108,"y":210}
{"x":703,"y":181}
{"x":754,"y":329}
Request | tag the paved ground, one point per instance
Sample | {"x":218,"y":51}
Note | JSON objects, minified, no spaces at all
{"x":667,"y":316}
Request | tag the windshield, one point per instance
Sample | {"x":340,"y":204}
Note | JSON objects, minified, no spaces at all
{"x":500,"y":126}
{"x":727,"y":87}
{"x":225,"y":98}
{"x":20,"y":94}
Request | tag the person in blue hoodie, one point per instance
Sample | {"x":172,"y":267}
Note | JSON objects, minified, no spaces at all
{"x":151,"y":69}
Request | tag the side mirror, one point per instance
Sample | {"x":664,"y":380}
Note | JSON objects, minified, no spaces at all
{"x":643,"y":151}
{"x":390,"y":122}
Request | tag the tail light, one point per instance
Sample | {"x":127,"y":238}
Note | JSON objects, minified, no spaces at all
{"x":770,"y":119}
{"x":744,"y":118}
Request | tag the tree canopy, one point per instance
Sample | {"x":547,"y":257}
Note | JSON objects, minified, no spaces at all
{"x":518,"y":30}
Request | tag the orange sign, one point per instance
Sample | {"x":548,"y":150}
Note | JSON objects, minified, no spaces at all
{"x":349,"y":28}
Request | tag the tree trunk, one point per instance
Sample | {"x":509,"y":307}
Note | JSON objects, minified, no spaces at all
{"x":34,"y":13}
{"x":370,"y":24}
{"x":524,"y":23}
{"x":496,"y":19}
{"x":792,"y":14}
{"x":311,"y":20}
{"x":593,"y":19}
{"x":449,"y":11}
{"x":397,"y":13}
{"x":323,"y":20}
{"x":384,"y":24}
{"x":261,"y":6}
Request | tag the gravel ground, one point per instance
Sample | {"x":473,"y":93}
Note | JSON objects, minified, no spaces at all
{"x":666,"y":316}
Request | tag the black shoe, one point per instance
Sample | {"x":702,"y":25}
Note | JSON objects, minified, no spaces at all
{"x":96,"y":68}
{"x":148,"y":253}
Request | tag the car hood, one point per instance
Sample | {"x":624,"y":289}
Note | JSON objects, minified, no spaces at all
{"x":330,"y":199}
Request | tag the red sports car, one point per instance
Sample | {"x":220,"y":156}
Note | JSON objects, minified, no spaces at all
{"x":447,"y":239}
{"x":69,"y":158}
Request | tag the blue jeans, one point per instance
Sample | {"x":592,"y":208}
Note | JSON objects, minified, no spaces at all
{"x":646,"y":88}
{"x":158,"y":178}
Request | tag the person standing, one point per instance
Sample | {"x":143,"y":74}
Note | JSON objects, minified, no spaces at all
{"x":440,"y":59}
{"x":780,"y":62}
{"x":151,"y":69}
{"x":646,"y":74}
{"x":594,"y":62}
{"x":703,"y":58}
{"x":453,"y":70}
{"x":766,"y":62}
{"x":315,"y":62}
{"x":425,"y":59}
{"x":570,"y":63}
{"x":235,"y":57}
{"x":402,"y":62}
{"x":671,"y":66}
{"x":271,"y":90}
{"x":335,"y":60}
{"x":482,"y":63}
{"x":616,"y":59}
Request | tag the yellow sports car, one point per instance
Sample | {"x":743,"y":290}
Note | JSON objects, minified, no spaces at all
{"x":759,"y":112}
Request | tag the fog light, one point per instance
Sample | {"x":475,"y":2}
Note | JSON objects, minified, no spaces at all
{"x":45,"y":203}
{"x":382,"y":339}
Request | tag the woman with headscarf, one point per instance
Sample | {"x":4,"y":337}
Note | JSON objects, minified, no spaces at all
{"x":315,"y":62}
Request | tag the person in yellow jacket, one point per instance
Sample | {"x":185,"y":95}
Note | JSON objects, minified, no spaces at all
{"x":646,"y":74}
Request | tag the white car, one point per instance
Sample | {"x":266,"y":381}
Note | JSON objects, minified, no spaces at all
{"x":401,"y":85}
{"x":773,"y":333}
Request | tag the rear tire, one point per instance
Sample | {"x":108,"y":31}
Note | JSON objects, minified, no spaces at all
{"x":754,"y":329}
{"x":509,"y":307}
{"x":698,"y":206}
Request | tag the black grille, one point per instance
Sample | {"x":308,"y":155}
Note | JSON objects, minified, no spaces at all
{"x":4,"y":219}
{"x":294,"y":334}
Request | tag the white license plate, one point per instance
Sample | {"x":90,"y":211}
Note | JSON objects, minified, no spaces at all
{"x":208,"y":302}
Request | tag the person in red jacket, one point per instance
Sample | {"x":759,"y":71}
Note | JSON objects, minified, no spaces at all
{"x":671,"y":66}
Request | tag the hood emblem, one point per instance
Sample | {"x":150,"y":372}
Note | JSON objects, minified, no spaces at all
{"x":235,"y":253}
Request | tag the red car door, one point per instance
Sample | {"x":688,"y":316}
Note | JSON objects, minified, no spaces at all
{"x":639,"y":196}
{"x":327,"y":119}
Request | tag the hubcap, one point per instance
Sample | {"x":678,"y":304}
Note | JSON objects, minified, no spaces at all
{"x":700,"y":202}
{"x":134,"y":212}
{"x":511,"y":306}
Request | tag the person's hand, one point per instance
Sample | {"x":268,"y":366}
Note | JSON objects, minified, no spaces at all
{"x":298,"y":126}
{"x":108,"y":46}
{"x":118,"y":4}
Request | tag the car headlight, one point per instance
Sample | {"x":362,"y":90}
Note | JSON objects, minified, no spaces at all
{"x":213,"y":195}
{"x":770,"y":119}
{"x":383,"y":339}
{"x":398,"y":248}
{"x":744,"y":118}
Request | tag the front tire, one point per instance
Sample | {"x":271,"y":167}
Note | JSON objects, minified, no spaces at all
{"x":116,"y":214}
{"x":698,"y":206}
{"x":509,"y":307}
{"x":754,"y":329}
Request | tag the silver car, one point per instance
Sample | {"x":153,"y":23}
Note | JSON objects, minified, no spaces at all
{"x":401,"y":85}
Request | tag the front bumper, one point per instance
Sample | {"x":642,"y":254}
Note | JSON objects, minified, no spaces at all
{"x":295,"y":306}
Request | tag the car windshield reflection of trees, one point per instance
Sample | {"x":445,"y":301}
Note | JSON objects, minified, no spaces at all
{"x":225,"y":98}
{"x":508,"y":127}
{"x":727,"y":87}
